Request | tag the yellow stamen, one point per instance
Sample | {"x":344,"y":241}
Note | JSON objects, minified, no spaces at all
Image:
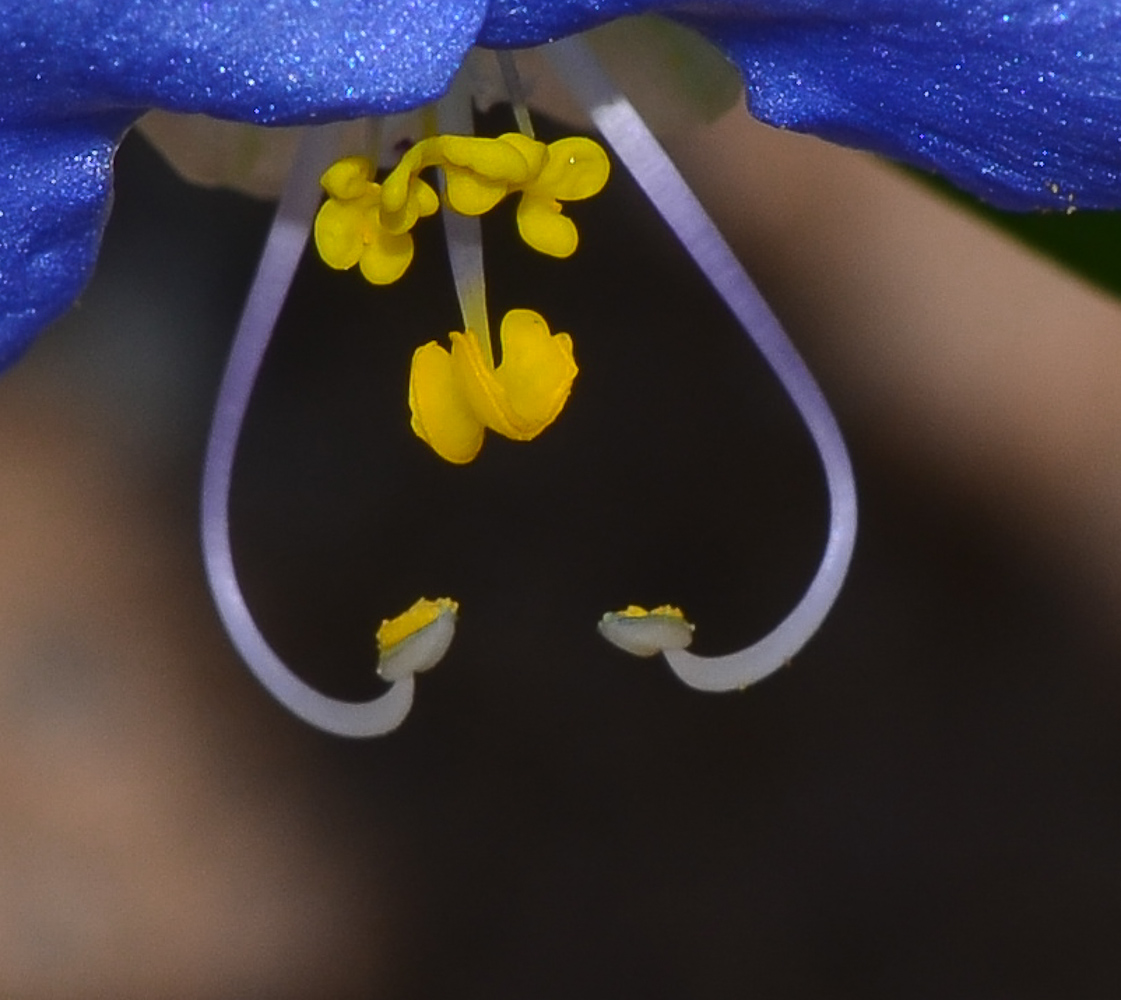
{"x":454,"y":396}
{"x":417,"y":639}
{"x":351,"y":227}
{"x":646,"y":633}
{"x":573,"y":169}
{"x":369,"y":224}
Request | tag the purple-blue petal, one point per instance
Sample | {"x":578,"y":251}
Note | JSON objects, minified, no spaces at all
{"x":265,"y":61}
{"x":56,"y":188}
{"x":75,"y":73}
{"x":1018,"y":101}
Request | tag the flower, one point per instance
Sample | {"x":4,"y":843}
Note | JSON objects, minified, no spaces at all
{"x":1018,"y":101}
{"x":455,"y":396}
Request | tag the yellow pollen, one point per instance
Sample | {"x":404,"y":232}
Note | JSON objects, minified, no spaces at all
{"x":647,"y":633}
{"x":393,"y":631}
{"x":662,"y":611}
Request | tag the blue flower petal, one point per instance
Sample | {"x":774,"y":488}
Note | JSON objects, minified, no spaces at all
{"x":56,"y":185}
{"x":519,"y":23}
{"x":1017,"y":101}
{"x":275,"y":62}
{"x":75,"y":73}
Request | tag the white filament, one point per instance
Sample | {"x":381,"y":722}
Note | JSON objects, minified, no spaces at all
{"x":512,"y":81}
{"x":283,"y":248}
{"x":655,"y":173}
{"x":464,"y":233}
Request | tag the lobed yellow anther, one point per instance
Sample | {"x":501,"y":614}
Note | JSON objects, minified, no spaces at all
{"x":348,"y":179}
{"x":352,"y":227}
{"x":454,"y":396}
{"x":368,"y":224}
{"x":573,"y":169}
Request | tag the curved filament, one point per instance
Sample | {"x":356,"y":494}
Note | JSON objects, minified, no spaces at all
{"x":285,"y":243}
{"x":623,"y":128}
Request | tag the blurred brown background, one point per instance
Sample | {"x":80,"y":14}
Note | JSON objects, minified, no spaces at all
{"x":926,"y":805}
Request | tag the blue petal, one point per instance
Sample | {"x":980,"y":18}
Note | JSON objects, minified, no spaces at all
{"x":56,"y":186}
{"x":75,"y":73}
{"x":266,"y":61}
{"x":1018,"y":102}
{"x":516,"y":23}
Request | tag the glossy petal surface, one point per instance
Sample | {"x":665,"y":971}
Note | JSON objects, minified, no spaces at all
{"x":55,"y":188}
{"x":1018,"y":101}
{"x":266,"y":61}
{"x":74,"y":74}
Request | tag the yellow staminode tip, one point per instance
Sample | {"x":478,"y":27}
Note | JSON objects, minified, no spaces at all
{"x":496,"y":159}
{"x":575,"y":168}
{"x":441,"y":415}
{"x":367,"y":223}
{"x":543,"y":227}
{"x":646,"y":633}
{"x":572,"y":169}
{"x":417,"y":639}
{"x":347,"y":179}
{"x":349,"y":232}
{"x":454,"y":396}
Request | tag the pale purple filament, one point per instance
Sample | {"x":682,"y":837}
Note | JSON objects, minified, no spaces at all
{"x":283,"y":248}
{"x":655,"y":173}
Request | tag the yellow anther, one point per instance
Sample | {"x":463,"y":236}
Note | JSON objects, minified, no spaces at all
{"x":662,"y":610}
{"x":646,"y":633}
{"x":351,"y":232}
{"x":417,"y":639}
{"x":352,"y":226}
{"x":455,"y":396}
{"x":574,"y":169}
{"x":420,"y":200}
{"x":368,"y":224}
{"x":441,"y":415}
{"x":348,"y":179}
